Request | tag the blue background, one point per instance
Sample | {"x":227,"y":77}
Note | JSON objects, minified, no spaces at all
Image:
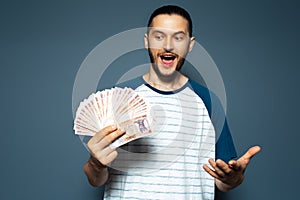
{"x":255,"y":44}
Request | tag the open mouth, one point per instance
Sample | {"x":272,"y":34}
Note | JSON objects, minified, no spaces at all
{"x":167,"y":59}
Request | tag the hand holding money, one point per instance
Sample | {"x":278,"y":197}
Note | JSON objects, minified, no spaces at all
{"x":99,"y":144}
{"x":102,"y":154}
{"x":120,"y":106}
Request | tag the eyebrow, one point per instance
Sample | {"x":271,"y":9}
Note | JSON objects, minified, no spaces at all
{"x":176,"y":33}
{"x":179,"y":32}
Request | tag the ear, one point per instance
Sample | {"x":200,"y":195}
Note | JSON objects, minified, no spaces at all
{"x":146,"y":41}
{"x":192,"y":42}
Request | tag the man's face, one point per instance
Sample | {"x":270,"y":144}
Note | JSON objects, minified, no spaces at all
{"x":168,"y":43}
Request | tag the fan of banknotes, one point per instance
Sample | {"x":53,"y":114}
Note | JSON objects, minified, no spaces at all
{"x":121,"y":106}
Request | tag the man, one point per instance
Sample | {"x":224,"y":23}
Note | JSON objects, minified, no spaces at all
{"x":184,"y":107}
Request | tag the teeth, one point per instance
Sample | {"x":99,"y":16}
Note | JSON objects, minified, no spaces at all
{"x":169,"y":57}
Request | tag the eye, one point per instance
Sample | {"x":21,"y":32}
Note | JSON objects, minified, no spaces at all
{"x":158,"y":36}
{"x":179,"y":37}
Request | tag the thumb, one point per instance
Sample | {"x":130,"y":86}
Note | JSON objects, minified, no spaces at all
{"x":250,"y":153}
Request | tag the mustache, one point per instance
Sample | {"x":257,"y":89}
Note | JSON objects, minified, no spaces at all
{"x":166,"y":53}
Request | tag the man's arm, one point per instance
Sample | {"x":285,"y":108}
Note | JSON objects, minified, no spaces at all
{"x":230,"y":175}
{"x":101,"y":155}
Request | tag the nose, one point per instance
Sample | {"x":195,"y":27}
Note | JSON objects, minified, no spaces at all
{"x":168,"y":45}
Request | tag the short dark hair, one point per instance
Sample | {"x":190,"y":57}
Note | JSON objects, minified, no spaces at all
{"x":172,"y":9}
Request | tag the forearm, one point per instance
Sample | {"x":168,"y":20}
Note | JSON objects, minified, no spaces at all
{"x":96,"y":173}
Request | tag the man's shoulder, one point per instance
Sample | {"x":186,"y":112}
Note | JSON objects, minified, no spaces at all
{"x":196,"y":86}
{"x":209,"y":98}
{"x":202,"y":91}
{"x":132,"y":83}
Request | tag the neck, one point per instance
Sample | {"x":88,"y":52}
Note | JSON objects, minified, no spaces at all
{"x":171,"y":83}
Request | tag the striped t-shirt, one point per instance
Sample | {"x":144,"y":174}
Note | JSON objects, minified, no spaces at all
{"x":168,"y":163}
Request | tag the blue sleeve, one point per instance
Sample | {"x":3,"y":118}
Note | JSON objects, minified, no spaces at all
{"x":225,"y":149}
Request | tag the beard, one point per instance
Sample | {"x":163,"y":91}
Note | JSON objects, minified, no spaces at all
{"x":154,"y":63}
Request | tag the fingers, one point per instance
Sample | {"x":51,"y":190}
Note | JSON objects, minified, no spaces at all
{"x":219,"y":168}
{"x":235,"y":165}
{"x":102,"y":133}
{"x":110,"y":157}
{"x":216,"y":168}
{"x":231,"y":173}
{"x":211,"y":172}
{"x":106,"y":156}
{"x":114,"y":135}
{"x":223,"y":166}
{"x":106,"y":140}
{"x":223,"y":172}
{"x":99,"y":144}
{"x":245,"y":159}
{"x":251,"y":152}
